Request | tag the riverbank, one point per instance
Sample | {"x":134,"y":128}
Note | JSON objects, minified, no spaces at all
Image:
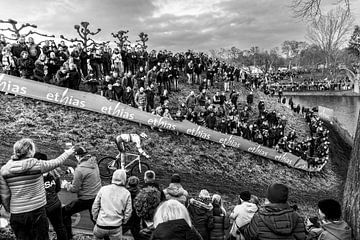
{"x":323,"y":93}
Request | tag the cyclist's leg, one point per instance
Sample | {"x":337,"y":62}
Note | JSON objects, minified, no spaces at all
{"x":121,"y":147}
{"x":122,"y":160}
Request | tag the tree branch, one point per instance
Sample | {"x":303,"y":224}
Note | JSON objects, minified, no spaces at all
{"x":40,"y":34}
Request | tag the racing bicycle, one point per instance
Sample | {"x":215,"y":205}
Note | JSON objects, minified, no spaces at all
{"x":135,"y":167}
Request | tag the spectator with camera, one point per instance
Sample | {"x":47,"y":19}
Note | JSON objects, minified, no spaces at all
{"x":22,"y":190}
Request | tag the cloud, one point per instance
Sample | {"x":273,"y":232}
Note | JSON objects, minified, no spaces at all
{"x":172,"y":24}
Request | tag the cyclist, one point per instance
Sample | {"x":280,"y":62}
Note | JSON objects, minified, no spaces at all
{"x":122,"y":139}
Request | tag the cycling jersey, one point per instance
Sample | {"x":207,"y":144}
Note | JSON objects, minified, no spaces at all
{"x":127,"y":138}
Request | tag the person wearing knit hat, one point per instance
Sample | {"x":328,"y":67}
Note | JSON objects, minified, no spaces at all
{"x":134,"y":222}
{"x":333,"y":226}
{"x":201,"y":213}
{"x":276,"y":219}
{"x":242,"y":213}
{"x":175,"y":190}
{"x":112,"y":207}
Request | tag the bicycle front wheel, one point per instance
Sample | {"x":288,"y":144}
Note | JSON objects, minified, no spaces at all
{"x":104,"y":163}
{"x":139,"y":169}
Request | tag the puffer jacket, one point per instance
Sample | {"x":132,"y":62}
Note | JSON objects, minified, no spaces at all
{"x":87,"y":182}
{"x":335,"y":231}
{"x":221,"y":226}
{"x":175,"y":230}
{"x":177,"y":192}
{"x":201,"y":214}
{"x":275,"y":221}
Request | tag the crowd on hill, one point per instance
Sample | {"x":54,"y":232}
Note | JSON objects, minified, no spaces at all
{"x":29,"y":184}
{"x":145,"y":81}
{"x":311,"y":85}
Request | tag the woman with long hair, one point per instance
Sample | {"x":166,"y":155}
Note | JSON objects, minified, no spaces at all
{"x":172,"y":221}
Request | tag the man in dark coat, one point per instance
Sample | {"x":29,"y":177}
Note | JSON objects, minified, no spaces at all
{"x":276,"y":220}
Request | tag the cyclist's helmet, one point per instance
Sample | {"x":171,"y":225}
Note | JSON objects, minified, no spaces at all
{"x":144,"y":135}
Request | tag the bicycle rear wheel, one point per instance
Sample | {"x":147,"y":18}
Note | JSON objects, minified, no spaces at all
{"x":105,"y":171}
{"x":139,"y":169}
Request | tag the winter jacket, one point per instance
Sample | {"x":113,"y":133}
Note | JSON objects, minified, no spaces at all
{"x":26,"y":67}
{"x":157,"y":186}
{"x":202,"y":217}
{"x":87,"y":182}
{"x":52,"y":187}
{"x":177,"y":192}
{"x":22,"y":185}
{"x":175,"y":230}
{"x":275,"y":221}
{"x":112,"y":206}
{"x":221,"y":225}
{"x":335,"y":231}
{"x":242,"y":214}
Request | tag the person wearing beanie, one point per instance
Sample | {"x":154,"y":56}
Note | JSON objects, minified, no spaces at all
{"x":201,"y":213}
{"x":333,"y":227}
{"x":175,"y":190}
{"x":112,"y":207}
{"x":242,"y":214}
{"x":86,"y":183}
{"x":134,"y":222}
{"x":276,"y":219}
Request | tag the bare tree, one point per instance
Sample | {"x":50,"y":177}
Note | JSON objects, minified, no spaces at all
{"x":16,"y":31}
{"x":85,"y":35}
{"x":122,"y":38}
{"x":311,"y":9}
{"x":330,"y":32}
{"x":142,"y":41}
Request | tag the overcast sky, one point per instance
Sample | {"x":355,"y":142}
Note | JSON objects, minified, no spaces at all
{"x":172,"y":24}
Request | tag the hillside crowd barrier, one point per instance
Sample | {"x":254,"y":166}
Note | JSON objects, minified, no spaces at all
{"x":96,"y":103}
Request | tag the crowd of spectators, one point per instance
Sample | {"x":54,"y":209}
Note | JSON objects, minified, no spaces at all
{"x":146,"y":80}
{"x":308,"y":85}
{"x":28,"y":190}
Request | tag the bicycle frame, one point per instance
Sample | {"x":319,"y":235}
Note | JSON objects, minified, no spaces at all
{"x":137,"y":159}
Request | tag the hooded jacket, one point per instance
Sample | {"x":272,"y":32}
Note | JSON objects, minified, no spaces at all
{"x":275,"y":221}
{"x":202,"y":217}
{"x":87,"y":182}
{"x":22,"y":185}
{"x":242,"y":214}
{"x":175,"y":230}
{"x":112,"y":206}
{"x":335,"y":231}
{"x":177,"y":192}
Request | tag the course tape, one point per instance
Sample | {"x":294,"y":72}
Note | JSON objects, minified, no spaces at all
{"x":96,"y":103}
